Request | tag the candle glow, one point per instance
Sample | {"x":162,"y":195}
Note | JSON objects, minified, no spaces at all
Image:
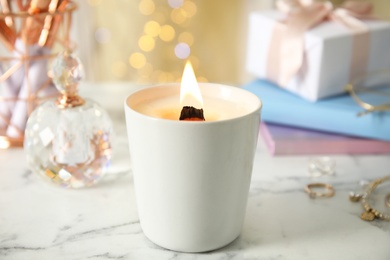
{"x":166,"y":102}
{"x":189,"y":90}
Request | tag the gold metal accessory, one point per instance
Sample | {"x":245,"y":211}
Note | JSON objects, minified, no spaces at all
{"x":387,"y":200}
{"x":370,"y":213}
{"x":356,"y":86}
{"x":314,"y":194}
{"x":367,"y":216}
{"x":66,"y":101}
{"x":355,"y":197}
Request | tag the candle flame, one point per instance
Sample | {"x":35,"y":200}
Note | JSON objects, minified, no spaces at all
{"x":189,"y":90}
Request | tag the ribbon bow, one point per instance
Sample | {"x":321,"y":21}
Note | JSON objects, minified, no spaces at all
{"x":286,"y":55}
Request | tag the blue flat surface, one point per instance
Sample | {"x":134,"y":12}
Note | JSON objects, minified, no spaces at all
{"x":336,"y":115}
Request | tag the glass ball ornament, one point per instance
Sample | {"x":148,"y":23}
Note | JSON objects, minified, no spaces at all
{"x":68,"y":140}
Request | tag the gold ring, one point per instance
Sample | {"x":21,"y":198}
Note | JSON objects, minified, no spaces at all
{"x":387,"y":200}
{"x":314,"y":194}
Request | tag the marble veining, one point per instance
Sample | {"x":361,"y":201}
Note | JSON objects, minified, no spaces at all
{"x":39,"y":221}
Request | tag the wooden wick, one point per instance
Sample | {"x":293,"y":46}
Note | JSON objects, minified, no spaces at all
{"x":189,"y":113}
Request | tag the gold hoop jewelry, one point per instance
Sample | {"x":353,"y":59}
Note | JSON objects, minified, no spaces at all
{"x":370,"y":212}
{"x":387,"y":200}
{"x":314,"y":194}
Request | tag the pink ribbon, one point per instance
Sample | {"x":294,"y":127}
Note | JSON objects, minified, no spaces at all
{"x":286,"y":52}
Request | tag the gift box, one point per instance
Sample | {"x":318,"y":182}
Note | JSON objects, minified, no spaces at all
{"x":333,"y":54}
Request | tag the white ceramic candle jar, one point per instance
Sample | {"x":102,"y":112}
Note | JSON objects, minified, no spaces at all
{"x":192,"y":178}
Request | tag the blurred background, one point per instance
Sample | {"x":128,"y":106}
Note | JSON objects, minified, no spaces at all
{"x":148,"y":41}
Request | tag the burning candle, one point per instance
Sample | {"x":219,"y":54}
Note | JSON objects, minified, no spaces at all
{"x":192,"y":178}
{"x":167,"y":102}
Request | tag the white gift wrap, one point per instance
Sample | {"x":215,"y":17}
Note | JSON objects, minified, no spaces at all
{"x":328,"y":54}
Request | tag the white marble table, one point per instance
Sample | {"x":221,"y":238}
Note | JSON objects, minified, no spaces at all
{"x":40,"y":221}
